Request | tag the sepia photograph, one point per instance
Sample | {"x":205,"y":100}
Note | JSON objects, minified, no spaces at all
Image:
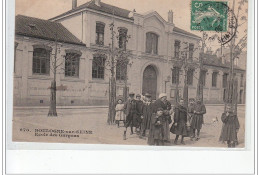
{"x":131,"y":72}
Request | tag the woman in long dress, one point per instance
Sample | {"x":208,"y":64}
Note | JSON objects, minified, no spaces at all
{"x":162,"y":102}
{"x":120,"y":116}
{"x":230,"y":127}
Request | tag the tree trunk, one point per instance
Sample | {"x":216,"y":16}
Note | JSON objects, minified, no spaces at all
{"x":112,"y":101}
{"x":235,"y":87}
{"x":52,"y":109}
{"x":185,"y":91}
{"x":200,"y":82}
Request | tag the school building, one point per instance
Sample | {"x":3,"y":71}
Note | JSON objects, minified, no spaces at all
{"x":83,"y":33}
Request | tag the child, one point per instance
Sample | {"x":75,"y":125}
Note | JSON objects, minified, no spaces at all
{"x":180,"y":122}
{"x":120,"y":116}
{"x":156,"y":132}
{"x":230,"y":127}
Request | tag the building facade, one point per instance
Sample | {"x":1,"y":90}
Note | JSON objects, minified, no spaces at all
{"x":155,"y":45}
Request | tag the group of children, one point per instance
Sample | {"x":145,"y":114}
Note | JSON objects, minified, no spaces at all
{"x":186,"y":121}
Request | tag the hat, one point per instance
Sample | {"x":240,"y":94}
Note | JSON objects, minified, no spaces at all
{"x":162,"y":95}
{"x":131,"y":93}
{"x":138,"y":95}
{"x":191,"y":99}
{"x":198,"y":99}
{"x":147,"y":95}
{"x":120,"y":99}
{"x":159,"y":109}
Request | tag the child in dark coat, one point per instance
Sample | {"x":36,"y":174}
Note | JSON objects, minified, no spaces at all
{"x":230,"y":127}
{"x":156,"y":132}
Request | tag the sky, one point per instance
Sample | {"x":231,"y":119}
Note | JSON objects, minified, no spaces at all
{"x":46,"y":9}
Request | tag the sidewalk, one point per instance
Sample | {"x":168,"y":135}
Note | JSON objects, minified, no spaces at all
{"x":88,"y":107}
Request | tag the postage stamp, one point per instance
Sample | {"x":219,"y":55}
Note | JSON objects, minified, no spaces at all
{"x":209,"y":15}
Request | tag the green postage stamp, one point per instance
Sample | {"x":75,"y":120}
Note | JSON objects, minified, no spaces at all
{"x":209,"y":15}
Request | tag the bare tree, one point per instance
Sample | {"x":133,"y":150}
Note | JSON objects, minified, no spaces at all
{"x":184,"y":63}
{"x":57,"y":67}
{"x":53,"y":67}
{"x":114,"y":56}
{"x":235,"y":50}
{"x":236,"y":46}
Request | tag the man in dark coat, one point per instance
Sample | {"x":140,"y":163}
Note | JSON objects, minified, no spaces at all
{"x":197,"y":119}
{"x":130,"y":109}
{"x":162,"y":102}
{"x":139,"y":108}
{"x":180,"y":122}
{"x":147,"y":114}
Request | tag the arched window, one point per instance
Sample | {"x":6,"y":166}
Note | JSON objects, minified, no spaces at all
{"x":98,"y":66}
{"x":72,"y":64}
{"x":152,"y":43}
{"x":100,"y":30}
{"x":41,"y":61}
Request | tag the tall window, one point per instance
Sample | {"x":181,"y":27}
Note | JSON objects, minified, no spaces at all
{"x":203,"y":77}
{"x":100,"y":27}
{"x":177,"y":46}
{"x":191,"y":50}
{"x":72,"y":65}
{"x":151,"y":43}
{"x":241,"y":80}
{"x":214,"y":79}
{"x":98,"y":67}
{"x":41,"y":61}
{"x":225,"y":78}
{"x":121,"y":71}
{"x":122,"y":38}
{"x":190,"y":73}
{"x":225,"y":95}
{"x":175,"y":75}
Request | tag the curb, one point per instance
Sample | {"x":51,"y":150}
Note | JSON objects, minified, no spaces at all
{"x":88,"y":107}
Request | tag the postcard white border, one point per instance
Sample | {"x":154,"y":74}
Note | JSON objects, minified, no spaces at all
{"x":81,"y":158}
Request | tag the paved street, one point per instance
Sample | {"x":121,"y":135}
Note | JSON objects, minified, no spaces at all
{"x":89,"y":126}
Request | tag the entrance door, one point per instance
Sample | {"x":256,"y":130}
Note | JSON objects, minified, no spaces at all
{"x":150,"y":81}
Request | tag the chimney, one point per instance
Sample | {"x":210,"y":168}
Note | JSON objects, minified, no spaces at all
{"x":131,"y":14}
{"x":97,"y":2}
{"x":170,"y":16}
{"x":74,"y":4}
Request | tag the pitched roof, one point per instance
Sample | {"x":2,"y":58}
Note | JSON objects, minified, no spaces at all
{"x":213,"y":60}
{"x":44,"y":29}
{"x":106,"y":8}
{"x":179,"y":30}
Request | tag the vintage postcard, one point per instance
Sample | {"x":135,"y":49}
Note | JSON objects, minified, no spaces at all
{"x":130,"y":72}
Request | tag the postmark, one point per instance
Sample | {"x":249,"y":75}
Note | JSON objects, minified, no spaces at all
{"x":209,"y":15}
